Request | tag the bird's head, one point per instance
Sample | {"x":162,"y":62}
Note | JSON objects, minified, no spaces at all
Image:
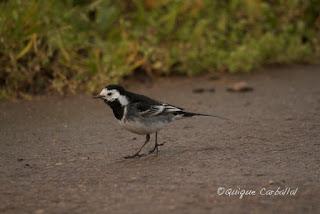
{"x":112,"y":93}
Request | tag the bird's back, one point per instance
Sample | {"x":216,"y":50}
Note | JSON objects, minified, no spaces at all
{"x":141,"y":98}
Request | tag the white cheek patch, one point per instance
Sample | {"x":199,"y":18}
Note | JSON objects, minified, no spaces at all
{"x":123,"y":100}
{"x":115,"y":95}
{"x":104,"y":92}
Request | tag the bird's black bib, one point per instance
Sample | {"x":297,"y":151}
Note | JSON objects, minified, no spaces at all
{"x":117,"y":108}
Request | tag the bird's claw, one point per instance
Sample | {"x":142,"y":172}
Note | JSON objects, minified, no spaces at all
{"x":155,"y":148}
{"x":137,"y":155}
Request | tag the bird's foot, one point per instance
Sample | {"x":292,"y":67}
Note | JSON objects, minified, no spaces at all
{"x":136,"y":155}
{"x":155,"y":148}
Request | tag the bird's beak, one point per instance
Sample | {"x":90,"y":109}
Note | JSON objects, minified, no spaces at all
{"x":98,"y":96}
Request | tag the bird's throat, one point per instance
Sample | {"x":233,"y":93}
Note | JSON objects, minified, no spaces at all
{"x":117,"y":108}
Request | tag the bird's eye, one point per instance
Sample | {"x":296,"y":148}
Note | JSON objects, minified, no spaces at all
{"x":109,"y":94}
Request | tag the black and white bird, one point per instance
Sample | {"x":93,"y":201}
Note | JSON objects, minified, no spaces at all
{"x":142,"y":115}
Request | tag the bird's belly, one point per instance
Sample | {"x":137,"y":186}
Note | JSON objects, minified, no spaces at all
{"x":142,"y":128}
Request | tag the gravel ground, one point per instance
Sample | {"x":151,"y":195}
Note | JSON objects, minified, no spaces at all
{"x":64,"y":154}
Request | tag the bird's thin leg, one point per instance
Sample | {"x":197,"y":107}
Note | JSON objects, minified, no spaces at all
{"x":156,"y":145}
{"x":137,"y":154}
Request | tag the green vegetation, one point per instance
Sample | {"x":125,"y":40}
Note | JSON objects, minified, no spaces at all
{"x":70,"y":45}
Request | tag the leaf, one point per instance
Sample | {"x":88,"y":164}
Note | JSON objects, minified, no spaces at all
{"x":28,"y":47}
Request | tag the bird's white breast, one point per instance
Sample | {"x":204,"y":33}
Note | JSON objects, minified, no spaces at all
{"x":140,"y":127}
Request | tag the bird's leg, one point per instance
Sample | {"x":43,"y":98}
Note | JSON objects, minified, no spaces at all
{"x":156,"y":145}
{"x":137,"y":154}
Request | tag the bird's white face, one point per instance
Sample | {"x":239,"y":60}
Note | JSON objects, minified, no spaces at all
{"x":112,"y":95}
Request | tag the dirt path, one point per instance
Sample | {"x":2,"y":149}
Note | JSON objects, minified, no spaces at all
{"x":63,"y":155}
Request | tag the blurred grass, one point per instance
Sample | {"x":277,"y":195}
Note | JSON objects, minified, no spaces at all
{"x":70,"y":45}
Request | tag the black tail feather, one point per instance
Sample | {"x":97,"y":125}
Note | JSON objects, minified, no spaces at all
{"x":191,"y":114}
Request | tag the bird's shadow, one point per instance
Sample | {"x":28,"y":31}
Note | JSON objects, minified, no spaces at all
{"x":167,"y":155}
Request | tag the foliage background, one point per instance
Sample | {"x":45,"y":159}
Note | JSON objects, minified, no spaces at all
{"x":71,"y":45}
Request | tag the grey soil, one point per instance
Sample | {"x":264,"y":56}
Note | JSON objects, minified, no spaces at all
{"x":64,"y":155}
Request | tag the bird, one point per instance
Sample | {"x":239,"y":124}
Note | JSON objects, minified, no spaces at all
{"x":142,"y":115}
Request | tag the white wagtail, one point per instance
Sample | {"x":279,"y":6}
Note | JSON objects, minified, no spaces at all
{"x":142,"y":115}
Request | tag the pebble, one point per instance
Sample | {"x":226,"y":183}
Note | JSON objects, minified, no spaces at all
{"x":240,"y":87}
{"x":202,"y":90}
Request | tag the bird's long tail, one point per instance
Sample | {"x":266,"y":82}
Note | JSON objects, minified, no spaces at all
{"x":191,"y":114}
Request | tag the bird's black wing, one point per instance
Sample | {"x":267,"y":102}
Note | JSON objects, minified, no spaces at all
{"x":149,"y":110}
{"x":148,"y":107}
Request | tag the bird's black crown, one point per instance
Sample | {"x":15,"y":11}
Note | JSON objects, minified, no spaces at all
{"x":116,"y":87}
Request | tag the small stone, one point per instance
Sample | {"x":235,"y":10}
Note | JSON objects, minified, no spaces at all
{"x":198,"y":90}
{"x":187,"y":127}
{"x":84,"y":158}
{"x":240,"y":87}
{"x":58,"y":164}
{"x":20,"y":159}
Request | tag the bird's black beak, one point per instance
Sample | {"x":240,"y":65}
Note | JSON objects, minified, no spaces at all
{"x":98,"y":96}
